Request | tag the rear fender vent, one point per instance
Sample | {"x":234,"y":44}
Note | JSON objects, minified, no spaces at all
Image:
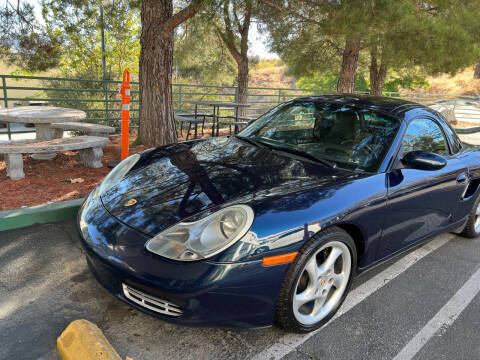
{"x":471,"y":188}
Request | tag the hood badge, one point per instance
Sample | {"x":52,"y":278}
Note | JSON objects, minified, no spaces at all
{"x":130,"y":202}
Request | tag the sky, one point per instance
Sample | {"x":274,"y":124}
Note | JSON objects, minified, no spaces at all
{"x":258,"y":44}
{"x":257,"y":40}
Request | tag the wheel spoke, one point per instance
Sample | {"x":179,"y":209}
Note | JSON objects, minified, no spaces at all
{"x":304,"y":297}
{"x":319,"y":302}
{"x":312,"y":269}
{"x":338,"y":279}
{"x":332,"y":257}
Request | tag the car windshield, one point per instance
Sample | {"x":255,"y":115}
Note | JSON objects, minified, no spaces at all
{"x":351,"y":138}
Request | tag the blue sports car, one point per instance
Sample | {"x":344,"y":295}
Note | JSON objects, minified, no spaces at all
{"x":270,"y":226}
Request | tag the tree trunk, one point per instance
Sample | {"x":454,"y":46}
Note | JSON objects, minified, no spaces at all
{"x":242,"y":84}
{"x":476,"y":74}
{"x":346,"y":81}
{"x":157,"y":126}
{"x":377,"y":75}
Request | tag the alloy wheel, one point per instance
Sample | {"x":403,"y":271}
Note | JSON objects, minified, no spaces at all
{"x":322,"y":283}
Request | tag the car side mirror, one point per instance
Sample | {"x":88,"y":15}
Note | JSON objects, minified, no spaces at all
{"x":423,"y":160}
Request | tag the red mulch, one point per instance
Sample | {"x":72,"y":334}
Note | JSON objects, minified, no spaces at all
{"x":49,"y":181}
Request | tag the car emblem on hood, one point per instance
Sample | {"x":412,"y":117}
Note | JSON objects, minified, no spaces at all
{"x":130,"y":202}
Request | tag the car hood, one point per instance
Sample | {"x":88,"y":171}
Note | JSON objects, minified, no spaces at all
{"x":180,"y":181}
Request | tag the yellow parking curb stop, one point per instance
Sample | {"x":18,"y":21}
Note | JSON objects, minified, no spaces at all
{"x":83,"y":340}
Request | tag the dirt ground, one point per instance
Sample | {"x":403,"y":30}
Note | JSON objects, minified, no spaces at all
{"x":63,"y":178}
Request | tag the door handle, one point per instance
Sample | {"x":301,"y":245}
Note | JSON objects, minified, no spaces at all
{"x":462,"y":178}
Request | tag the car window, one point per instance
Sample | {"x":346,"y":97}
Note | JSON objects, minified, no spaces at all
{"x":290,"y":122}
{"x":454,"y":140}
{"x":352,"y":138}
{"x":426,"y":135}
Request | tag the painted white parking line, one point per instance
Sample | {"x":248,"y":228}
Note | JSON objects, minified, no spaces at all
{"x":444,"y":318}
{"x":289,"y":342}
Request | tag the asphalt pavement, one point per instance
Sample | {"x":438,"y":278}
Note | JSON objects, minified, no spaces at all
{"x":424,"y":304}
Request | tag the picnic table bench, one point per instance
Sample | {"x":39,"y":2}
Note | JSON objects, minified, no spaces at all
{"x":90,"y":151}
{"x":236,"y":124}
{"x":190,"y":119}
{"x":89,"y":128}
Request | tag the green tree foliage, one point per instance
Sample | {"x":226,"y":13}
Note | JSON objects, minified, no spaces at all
{"x":435,"y":36}
{"x":326,"y":82}
{"x":23,"y":41}
{"x":236,"y":17}
{"x":200,"y":55}
{"x":405,"y":79}
{"x":76,"y":25}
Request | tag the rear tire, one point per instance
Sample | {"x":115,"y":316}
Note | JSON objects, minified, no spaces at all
{"x":472,"y":228}
{"x":317,"y":282}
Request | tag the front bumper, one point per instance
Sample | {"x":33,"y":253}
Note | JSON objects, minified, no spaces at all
{"x":242,"y":294}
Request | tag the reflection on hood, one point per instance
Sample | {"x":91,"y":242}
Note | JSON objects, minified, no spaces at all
{"x":181,"y":180}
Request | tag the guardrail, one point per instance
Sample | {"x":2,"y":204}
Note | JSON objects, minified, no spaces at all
{"x":100,"y":99}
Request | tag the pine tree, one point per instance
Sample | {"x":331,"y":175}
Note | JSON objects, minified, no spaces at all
{"x":435,"y":35}
{"x":23,"y":40}
{"x":236,"y":18}
{"x":157,"y":126}
{"x":76,"y":25}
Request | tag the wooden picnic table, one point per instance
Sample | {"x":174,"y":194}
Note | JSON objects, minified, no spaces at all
{"x":41,"y":117}
{"x":216,"y":111}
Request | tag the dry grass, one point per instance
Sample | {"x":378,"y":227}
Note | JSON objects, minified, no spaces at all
{"x":271,"y":73}
{"x":7,"y":70}
{"x":462,"y":83}
{"x":271,"y":76}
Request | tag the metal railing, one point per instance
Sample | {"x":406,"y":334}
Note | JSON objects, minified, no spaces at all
{"x":100,"y":99}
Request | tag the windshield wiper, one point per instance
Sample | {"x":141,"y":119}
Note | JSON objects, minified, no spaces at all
{"x":251,"y":141}
{"x":305,"y":155}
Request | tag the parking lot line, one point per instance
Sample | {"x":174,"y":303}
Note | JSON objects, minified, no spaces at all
{"x":289,"y":342}
{"x":444,"y":318}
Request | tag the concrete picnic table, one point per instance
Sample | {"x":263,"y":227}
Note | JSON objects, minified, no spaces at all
{"x":42,"y":117}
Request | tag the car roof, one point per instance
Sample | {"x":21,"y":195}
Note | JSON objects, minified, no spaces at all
{"x":386,"y":105}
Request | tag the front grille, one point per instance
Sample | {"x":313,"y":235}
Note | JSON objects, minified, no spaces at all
{"x":150,"y":302}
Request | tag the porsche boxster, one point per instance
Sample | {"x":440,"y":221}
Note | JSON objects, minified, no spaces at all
{"x":271,"y":225}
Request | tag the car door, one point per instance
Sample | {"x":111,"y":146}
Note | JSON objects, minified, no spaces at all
{"x":421,"y":202}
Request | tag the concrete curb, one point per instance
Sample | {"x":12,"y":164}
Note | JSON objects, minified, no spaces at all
{"x":83,"y":340}
{"x":18,"y":218}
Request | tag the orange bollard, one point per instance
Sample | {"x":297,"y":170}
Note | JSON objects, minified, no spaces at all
{"x":125,"y":91}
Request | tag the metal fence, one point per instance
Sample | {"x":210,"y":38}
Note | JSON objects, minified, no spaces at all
{"x":100,"y":99}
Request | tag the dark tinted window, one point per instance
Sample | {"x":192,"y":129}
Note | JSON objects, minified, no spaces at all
{"x":426,"y":135}
{"x":352,"y":138}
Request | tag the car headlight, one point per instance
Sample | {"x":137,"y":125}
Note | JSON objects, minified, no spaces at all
{"x":117,"y":174}
{"x":189,"y":241}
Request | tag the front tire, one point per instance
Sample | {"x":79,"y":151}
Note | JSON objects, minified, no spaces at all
{"x":472,"y":228}
{"x":317,"y":282}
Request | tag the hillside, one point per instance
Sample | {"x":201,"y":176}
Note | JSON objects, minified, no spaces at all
{"x":270,"y":73}
{"x":6,"y":70}
{"x":462,"y":83}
